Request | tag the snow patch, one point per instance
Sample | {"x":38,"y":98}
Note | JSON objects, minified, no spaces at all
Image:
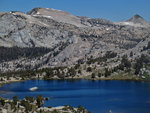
{"x":38,"y":13}
{"x":55,"y":9}
{"x":43,"y":16}
{"x":46,"y":16}
{"x":128,"y":23}
{"x":14,"y":13}
{"x":131,"y":24}
{"x":107,"y":29}
{"x":43,"y":24}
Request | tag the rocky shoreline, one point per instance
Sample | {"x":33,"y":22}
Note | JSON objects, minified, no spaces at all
{"x":19,"y":79}
{"x":34,"y":105}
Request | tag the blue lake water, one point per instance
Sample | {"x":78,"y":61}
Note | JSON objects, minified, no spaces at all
{"x":96,"y":96}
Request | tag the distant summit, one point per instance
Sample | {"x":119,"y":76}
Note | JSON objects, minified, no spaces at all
{"x":45,"y":11}
{"x":136,"y":16}
{"x":138,"y":19}
{"x":58,"y":15}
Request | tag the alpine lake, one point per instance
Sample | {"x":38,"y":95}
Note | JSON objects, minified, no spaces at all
{"x":95,"y":96}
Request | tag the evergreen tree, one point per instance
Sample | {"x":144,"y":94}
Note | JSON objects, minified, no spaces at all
{"x":107,"y":72}
{"x":125,"y":62}
{"x":131,"y":54}
{"x":15,"y":100}
{"x":89,"y":69}
{"x":148,"y":46}
{"x":39,"y":100}
{"x":93,"y":75}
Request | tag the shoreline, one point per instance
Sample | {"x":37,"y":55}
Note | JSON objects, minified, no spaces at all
{"x":116,"y":77}
{"x":14,"y":81}
{"x":9,"y":82}
{"x":35,"y":104}
{"x":137,"y":79}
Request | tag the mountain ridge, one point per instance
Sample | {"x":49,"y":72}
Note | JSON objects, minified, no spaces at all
{"x":70,"y":38}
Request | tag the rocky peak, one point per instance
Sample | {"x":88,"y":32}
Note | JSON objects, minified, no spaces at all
{"x":45,"y":11}
{"x":33,"y":11}
{"x":57,"y":15}
{"x":137,"y":19}
{"x":137,"y":16}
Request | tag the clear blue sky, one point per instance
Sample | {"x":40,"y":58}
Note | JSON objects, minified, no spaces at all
{"x":115,"y":10}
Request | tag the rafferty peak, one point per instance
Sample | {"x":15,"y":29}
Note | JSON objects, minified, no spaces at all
{"x":58,"y":15}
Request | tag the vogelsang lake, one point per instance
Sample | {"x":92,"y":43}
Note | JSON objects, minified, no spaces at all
{"x":96,"y":96}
